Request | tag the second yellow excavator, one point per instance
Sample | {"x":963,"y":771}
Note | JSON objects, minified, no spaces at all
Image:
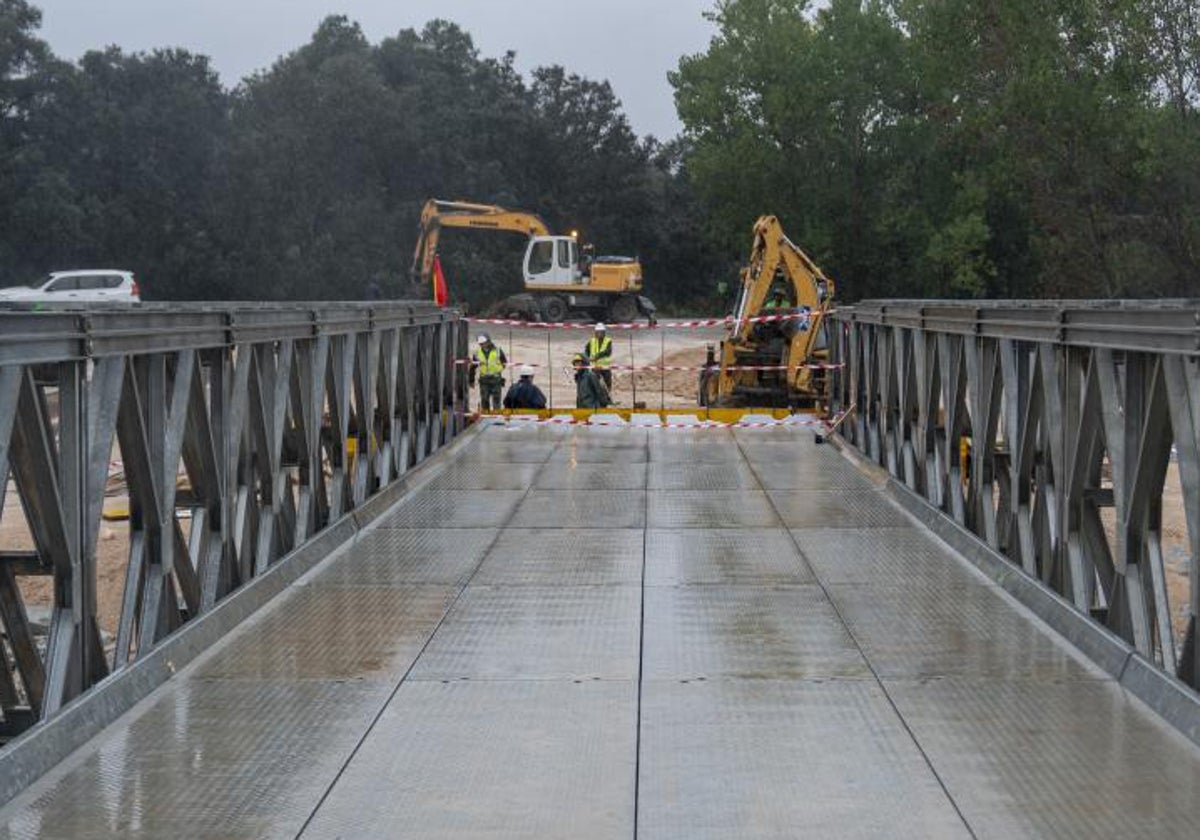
{"x":562,"y":279}
{"x":773,"y":363}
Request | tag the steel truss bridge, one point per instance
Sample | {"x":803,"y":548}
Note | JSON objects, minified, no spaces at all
{"x":346,"y":612}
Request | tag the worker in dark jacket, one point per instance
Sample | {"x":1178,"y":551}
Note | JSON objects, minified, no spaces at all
{"x":589,"y":388}
{"x":525,"y":394}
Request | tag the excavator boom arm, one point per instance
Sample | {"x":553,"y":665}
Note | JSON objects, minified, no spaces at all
{"x":438,"y":214}
{"x":770,"y":253}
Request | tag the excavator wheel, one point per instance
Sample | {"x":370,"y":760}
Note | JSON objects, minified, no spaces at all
{"x":624,"y":310}
{"x":553,"y":308}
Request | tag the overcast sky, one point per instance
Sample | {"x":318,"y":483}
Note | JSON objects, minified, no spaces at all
{"x":632,"y":43}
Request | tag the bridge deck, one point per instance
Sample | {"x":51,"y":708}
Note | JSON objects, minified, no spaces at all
{"x":610,"y":633}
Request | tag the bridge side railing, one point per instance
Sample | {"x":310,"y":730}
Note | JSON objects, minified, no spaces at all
{"x":241,"y":431}
{"x":1049,"y":430}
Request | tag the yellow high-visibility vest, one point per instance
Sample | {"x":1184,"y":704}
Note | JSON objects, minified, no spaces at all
{"x":489,"y":362}
{"x":596,"y":347}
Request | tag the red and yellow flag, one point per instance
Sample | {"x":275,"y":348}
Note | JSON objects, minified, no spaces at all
{"x":441,"y":296}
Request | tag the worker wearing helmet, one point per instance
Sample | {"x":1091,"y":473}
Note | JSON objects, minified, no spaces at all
{"x":488,"y":362}
{"x":525,"y":394}
{"x":589,"y":388}
{"x":599,"y":352}
{"x":778,"y":300}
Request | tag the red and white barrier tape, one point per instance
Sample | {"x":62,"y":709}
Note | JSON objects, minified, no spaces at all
{"x":651,"y":368}
{"x":672,"y":325}
{"x":518,"y":421}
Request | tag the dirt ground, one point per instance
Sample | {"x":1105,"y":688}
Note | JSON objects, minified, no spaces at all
{"x":112,"y":554}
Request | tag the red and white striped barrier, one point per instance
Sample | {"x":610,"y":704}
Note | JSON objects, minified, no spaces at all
{"x":516,"y":422}
{"x":671,"y":325}
{"x":659,"y":368}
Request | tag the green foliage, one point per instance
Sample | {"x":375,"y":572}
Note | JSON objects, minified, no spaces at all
{"x":306,"y":181}
{"x":958,"y":148}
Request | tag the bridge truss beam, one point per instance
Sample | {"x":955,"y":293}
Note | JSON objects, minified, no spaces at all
{"x":241,"y":432}
{"x":1047,"y":429}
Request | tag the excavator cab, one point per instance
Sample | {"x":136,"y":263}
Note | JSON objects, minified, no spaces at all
{"x":552,"y":261}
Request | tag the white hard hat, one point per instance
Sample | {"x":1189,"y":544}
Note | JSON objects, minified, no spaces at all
{"x":526,"y":370}
{"x":600,"y":327}
{"x":483,"y":339}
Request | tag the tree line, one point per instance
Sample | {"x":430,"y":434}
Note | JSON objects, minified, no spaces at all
{"x":965,"y":148}
{"x":960,"y":148}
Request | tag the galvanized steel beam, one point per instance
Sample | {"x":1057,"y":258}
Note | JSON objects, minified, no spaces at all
{"x":232,"y":418}
{"x":1069,"y":414}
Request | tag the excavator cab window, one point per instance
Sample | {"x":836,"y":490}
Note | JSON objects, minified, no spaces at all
{"x":541,"y":257}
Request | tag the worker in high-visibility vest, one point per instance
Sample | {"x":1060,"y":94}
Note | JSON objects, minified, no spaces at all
{"x":599,"y":353}
{"x":778,"y":301}
{"x":488,"y":363}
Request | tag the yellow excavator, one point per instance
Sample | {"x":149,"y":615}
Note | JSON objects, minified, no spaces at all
{"x":774,"y":363}
{"x":562,"y":278}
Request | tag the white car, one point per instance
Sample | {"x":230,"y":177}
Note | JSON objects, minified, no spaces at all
{"x":93,"y":285}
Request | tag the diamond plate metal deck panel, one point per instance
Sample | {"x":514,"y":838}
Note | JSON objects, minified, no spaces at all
{"x":970,"y":630}
{"x":497,"y":449}
{"x":697,"y":447}
{"x":495,"y":759}
{"x":730,"y":476}
{"x":801,"y":452}
{"x":582,"y":509}
{"x":537,"y":632}
{"x":1054,"y":759}
{"x":559,"y":475}
{"x":520,"y":629}
{"x":762,"y":557}
{"x":486,"y":475}
{"x":702,"y":632}
{"x":892,"y":556}
{"x":430,"y":508}
{"x":400,"y":556}
{"x":710,"y":509}
{"x":571,"y":557}
{"x":623,"y":453}
{"x":788,"y":467}
{"x":604,"y":437}
{"x":208,"y":759}
{"x":838,"y":509}
{"x":334,"y":633}
{"x":516,"y":433}
{"x":783,"y":475}
{"x":770,"y":759}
